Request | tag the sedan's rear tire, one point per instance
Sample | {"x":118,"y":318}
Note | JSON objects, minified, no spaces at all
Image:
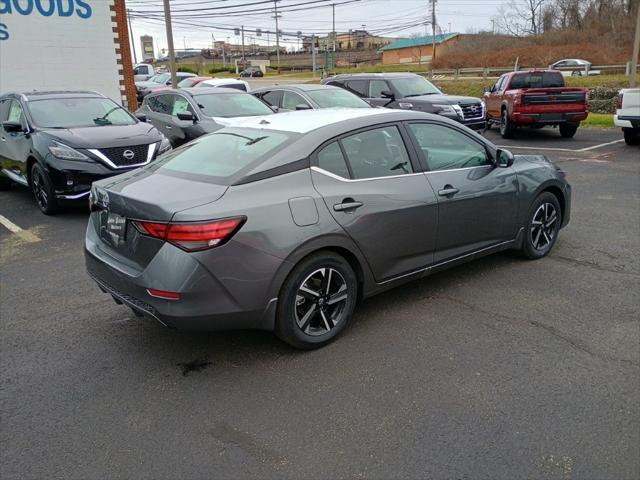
{"x":43,"y":190}
{"x":568,"y":130}
{"x":543,"y":226}
{"x":316,"y":301}
{"x":507,"y":129}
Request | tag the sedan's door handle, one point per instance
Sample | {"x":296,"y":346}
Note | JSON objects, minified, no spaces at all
{"x":168,"y":127}
{"x":448,"y":190}
{"x":347,"y":205}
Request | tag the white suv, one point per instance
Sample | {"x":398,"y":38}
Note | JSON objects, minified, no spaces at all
{"x":628,"y":114}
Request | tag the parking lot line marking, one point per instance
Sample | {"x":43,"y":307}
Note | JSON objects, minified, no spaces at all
{"x":23,"y":234}
{"x":539,"y":148}
{"x":601,"y":145}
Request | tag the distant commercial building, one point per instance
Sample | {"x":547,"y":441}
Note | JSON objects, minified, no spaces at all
{"x":146,"y":44}
{"x":353,"y":40}
{"x":417,"y":50}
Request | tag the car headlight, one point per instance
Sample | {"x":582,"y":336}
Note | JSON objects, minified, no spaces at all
{"x":405,"y":105}
{"x":165,"y":146}
{"x":62,"y":151}
{"x":450,"y":109}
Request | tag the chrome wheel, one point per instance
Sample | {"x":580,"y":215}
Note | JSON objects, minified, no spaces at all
{"x":321,"y":301}
{"x":544,"y":226}
{"x":39,"y":189}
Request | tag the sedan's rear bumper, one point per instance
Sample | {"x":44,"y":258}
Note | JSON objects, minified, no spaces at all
{"x":206,"y":302}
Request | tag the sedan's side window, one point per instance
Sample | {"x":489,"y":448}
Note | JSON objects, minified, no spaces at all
{"x":330,"y":158}
{"x":377,"y":153}
{"x":180,"y":104}
{"x":359,"y":87}
{"x":16,"y":114}
{"x":446,"y":149}
{"x":376,"y":87}
{"x":272,"y":98}
{"x":291,"y":100}
{"x":161,"y":104}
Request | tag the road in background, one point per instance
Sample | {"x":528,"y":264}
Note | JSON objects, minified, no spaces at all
{"x":501,"y":368}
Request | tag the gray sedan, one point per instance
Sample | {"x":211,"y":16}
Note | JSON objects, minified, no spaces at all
{"x":286,"y":222}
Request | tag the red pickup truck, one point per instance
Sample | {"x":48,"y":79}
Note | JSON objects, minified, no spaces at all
{"x":535,"y":98}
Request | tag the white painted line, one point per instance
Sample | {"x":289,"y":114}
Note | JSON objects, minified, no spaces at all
{"x":23,"y":234}
{"x":601,"y":145}
{"x":539,"y":148}
{"x":586,"y":149}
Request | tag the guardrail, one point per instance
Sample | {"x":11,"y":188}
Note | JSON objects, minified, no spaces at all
{"x":497,"y":71}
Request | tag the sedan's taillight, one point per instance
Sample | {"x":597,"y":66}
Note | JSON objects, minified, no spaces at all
{"x":192,"y":237}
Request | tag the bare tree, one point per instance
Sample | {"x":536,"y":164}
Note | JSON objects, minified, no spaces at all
{"x":521,"y":17}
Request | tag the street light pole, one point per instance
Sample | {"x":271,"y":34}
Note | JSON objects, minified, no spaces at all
{"x":133,"y":43}
{"x":433,"y":31}
{"x":275,"y":6}
{"x":172,"y":53}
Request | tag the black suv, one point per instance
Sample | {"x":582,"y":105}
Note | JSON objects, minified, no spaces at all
{"x":58,"y":143}
{"x":411,"y":92}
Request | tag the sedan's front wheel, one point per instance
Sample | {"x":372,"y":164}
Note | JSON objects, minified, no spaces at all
{"x":316,"y":301}
{"x":543,"y":227}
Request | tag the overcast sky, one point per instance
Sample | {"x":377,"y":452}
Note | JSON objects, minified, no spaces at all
{"x":194,"y":26}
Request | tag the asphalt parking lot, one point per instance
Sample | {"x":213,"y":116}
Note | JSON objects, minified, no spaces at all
{"x":501,"y":369}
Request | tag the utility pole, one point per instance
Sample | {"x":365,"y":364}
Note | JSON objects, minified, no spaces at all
{"x":133,"y":43}
{"x":172,"y":52}
{"x":333,"y":55}
{"x":275,"y":6}
{"x":433,"y":31}
{"x":313,"y":54}
{"x":636,"y":50}
{"x":242,"y":30}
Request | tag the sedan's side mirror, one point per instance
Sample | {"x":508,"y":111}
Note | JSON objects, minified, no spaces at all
{"x":387,"y":94}
{"x":12,"y":127}
{"x":303,"y":106}
{"x":504,"y":158}
{"x":488,"y":89}
{"x":141,"y":117}
{"x":275,"y":108}
{"x":186,"y":116}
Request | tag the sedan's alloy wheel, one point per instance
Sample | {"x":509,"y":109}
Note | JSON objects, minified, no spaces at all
{"x":320,"y":301}
{"x":543,"y":226}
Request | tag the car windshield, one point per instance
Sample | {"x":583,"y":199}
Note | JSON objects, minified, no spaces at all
{"x":537,"y":80}
{"x":231,"y":105}
{"x":78,"y":112}
{"x":336,"y":97}
{"x":224,"y":153}
{"x":414,"y":86}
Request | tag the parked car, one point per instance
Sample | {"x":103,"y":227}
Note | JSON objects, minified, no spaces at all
{"x":285,"y":222}
{"x":159,"y":81}
{"x":409,"y":91}
{"x":535,"y":98}
{"x":252,"y":72}
{"x":192,"y":81}
{"x":307,"y":96}
{"x":627,"y":114}
{"x":143,"y":72}
{"x":225,"y":83}
{"x":574,"y":67}
{"x":185,"y":114}
{"x":58,"y":143}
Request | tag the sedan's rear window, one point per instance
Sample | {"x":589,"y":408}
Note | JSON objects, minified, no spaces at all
{"x":331,"y":98}
{"x":225,"y":153}
{"x":537,"y":80}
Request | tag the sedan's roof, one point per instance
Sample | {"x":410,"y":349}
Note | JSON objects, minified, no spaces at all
{"x":300,"y":87}
{"x":305,"y":121}
{"x":41,"y":95}
{"x":194,"y":91}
